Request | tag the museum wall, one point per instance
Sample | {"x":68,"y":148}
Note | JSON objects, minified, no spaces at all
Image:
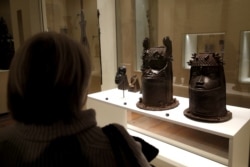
{"x":182,"y":17}
{"x":22,"y":20}
{"x":126,"y":34}
{"x":27,"y":17}
{"x":5,"y":13}
{"x":64,"y":16}
{"x":3,"y":91}
{"x":176,"y":18}
{"x":108,"y":38}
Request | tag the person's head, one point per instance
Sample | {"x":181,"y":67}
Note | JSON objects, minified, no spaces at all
{"x":48,"y":79}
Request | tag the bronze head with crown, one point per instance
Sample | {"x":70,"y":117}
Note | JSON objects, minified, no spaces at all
{"x":207,"y":88}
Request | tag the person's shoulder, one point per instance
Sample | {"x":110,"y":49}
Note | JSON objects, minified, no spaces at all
{"x":117,"y":125}
{"x":118,"y":128}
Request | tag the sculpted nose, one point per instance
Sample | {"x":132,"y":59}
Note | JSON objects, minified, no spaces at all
{"x":200,"y":80}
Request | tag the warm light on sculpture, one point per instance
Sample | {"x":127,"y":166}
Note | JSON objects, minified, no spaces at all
{"x":207,"y":89}
{"x":157,"y":77}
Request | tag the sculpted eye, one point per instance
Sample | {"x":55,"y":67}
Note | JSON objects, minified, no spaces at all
{"x":212,"y":75}
{"x":195,"y":73}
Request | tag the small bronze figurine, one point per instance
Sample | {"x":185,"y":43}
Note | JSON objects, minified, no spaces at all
{"x":207,"y":89}
{"x":134,"y":85}
{"x":121,"y":78}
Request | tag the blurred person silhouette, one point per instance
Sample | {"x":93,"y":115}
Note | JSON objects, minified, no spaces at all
{"x":47,"y":92}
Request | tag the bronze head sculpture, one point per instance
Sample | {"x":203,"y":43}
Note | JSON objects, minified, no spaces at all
{"x":207,"y":89}
{"x":157,"y":77}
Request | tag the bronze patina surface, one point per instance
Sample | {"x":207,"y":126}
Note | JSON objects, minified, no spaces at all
{"x":207,"y":89}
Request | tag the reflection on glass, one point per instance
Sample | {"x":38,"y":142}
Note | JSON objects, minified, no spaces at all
{"x":244,"y":70}
{"x":142,"y":28}
{"x":201,"y":43}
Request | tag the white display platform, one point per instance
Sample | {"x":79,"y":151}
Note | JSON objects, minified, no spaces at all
{"x":170,"y":155}
{"x":112,"y":106}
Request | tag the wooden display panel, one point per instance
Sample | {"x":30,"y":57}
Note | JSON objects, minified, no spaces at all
{"x":202,"y":143}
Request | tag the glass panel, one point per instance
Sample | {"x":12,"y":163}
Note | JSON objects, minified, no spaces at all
{"x":214,"y":26}
{"x":142,"y":28}
{"x":244,"y":75}
{"x":199,"y":43}
{"x":80,"y":20}
{"x":18,"y":21}
{"x":24,"y":18}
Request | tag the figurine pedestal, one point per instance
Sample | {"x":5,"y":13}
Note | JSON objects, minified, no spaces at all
{"x":111,"y":107}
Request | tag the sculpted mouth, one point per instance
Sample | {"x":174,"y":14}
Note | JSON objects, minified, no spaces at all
{"x":203,"y":88}
{"x":199,"y":87}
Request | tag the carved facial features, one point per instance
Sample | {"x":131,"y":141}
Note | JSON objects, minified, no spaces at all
{"x":155,"y":58}
{"x":205,"y":78}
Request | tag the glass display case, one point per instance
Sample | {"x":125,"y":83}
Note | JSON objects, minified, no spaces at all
{"x":27,"y":17}
{"x":194,"y":27}
{"x":116,"y":29}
